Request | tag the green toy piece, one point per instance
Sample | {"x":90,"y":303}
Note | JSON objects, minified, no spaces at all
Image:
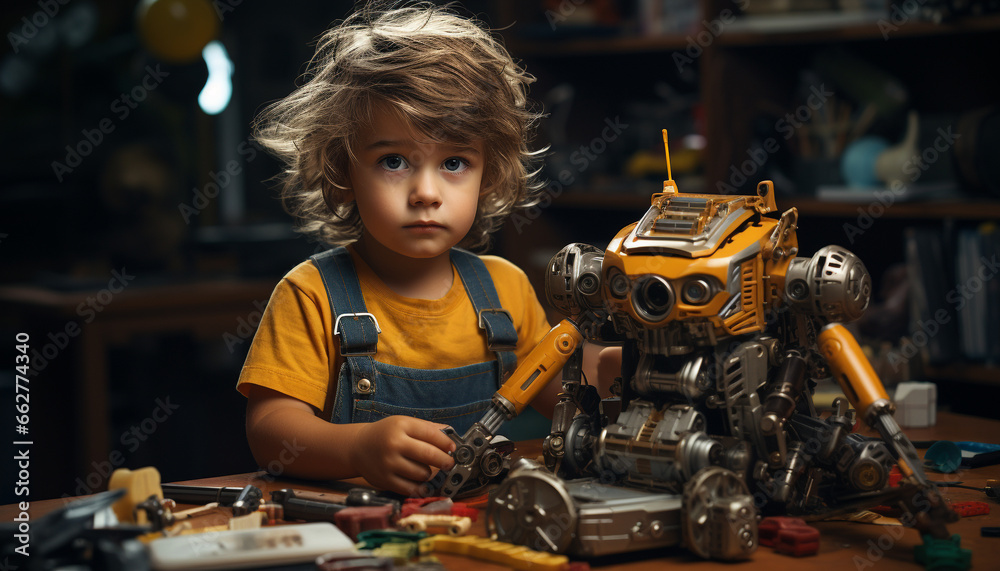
{"x":943,"y":554}
{"x":375,"y":538}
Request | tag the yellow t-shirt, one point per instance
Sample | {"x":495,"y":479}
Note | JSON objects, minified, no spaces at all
{"x":295,"y":352}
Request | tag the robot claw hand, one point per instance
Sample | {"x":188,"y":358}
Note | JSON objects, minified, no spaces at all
{"x":478,"y":458}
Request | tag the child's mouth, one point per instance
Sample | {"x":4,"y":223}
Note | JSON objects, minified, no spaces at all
{"x":425,"y":226}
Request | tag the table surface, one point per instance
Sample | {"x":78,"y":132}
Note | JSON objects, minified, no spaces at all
{"x":843,"y":544}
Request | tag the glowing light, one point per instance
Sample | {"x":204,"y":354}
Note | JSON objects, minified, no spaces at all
{"x":218,"y":90}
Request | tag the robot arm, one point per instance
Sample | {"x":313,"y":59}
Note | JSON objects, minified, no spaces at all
{"x":539,"y":368}
{"x":865,"y":391}
{"x":475,"y":458}
{"x":833,"y":286}
{"x":867,"y":395}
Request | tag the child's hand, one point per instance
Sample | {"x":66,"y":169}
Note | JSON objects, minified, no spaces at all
{"x":399,"y":453}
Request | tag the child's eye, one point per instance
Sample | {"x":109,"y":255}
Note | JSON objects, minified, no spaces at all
{"x":393,"y":163}
{"x":455,"y":165}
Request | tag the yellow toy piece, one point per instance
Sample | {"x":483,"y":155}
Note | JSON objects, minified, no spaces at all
{"x":450,"y":524}
{"x":513,"y":556}
{"x":139,"y":485}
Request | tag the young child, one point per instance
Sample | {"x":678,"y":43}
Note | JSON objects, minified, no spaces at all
{"x":409,"y":138}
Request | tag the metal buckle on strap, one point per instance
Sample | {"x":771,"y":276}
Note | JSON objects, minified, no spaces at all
{"x":357,"y":349}
{"x":336,"y":324}
{"x":497,"y":344}
{"x":482,"y":320}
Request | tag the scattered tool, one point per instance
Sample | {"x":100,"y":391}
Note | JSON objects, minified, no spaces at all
{"x":306,"y":506}
{"x":243,"y":500}
{"x":366,"y":497}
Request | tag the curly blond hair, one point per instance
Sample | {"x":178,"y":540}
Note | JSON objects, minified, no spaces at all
{"x":445,"y":74}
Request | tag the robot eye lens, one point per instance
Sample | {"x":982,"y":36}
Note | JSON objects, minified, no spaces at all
{"x":619,"y":285}
{"x":657,"y":296}
{"x":798,"y":290}
{"x":588,"y":284}
{"x":652,"y":298}
{"x":697,"y":291}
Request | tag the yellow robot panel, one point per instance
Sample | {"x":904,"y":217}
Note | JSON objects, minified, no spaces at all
{"x":692,"y":257}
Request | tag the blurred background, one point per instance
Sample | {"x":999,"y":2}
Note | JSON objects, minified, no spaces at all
{"x":140,"y":236}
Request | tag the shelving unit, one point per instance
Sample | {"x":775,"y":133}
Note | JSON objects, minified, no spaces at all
{"x":745,"y":74}
{"x":811,"y":207}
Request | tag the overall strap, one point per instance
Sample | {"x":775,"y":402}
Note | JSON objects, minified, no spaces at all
{"x":501,"y":336}
{"x":357,"y":328}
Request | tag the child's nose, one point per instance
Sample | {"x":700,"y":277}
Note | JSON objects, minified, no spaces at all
{"x":425,"y":189}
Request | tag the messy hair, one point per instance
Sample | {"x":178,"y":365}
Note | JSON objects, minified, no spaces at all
{"x":444,"y":74}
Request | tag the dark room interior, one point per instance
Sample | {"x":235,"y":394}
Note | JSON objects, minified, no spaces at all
{"x":141,"y":234}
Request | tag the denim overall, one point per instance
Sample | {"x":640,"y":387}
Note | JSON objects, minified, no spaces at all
{"x":368,"y":390}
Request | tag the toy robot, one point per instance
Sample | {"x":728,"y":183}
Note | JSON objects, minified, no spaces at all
{"x":724,"y":331}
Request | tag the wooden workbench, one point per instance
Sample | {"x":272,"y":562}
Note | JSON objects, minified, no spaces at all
{"x":843,"y":545}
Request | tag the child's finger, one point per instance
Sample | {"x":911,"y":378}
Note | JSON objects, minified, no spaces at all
{"x":430,"y":432}
{"x":413,"y":471}
{"x":428,"y":454}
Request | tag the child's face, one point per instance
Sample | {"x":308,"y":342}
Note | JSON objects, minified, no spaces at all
{"x":416,"y":198}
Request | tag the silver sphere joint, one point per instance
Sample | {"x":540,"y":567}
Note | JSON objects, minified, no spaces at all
{"x":833,"y":284}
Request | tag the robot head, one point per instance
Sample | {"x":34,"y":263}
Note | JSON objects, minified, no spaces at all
{"x":573,"y":282}
{"x":698,"y":268}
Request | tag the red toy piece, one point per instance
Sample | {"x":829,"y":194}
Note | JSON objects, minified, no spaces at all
{"x":968,"y":509}
{"x":770,"y":527}
{"x":463,"y":510}
{"x":789,"y":535}
{"x":422,"y":501}
{"x":895,"y":476}
{"x":354,"y":520}
{"x":798,"y":541}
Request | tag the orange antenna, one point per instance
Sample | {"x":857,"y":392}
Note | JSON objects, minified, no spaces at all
{"x":666,"y":149}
